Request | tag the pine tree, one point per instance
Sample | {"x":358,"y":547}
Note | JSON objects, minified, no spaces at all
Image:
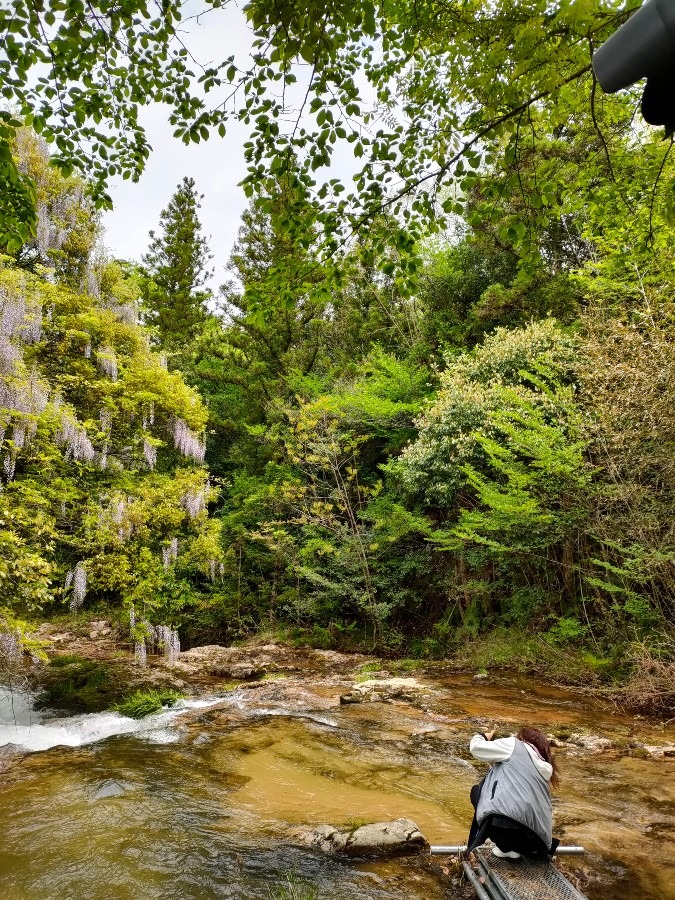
{"x":176,"y":270}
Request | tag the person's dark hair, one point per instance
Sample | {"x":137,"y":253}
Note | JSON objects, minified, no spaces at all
{"x":539,"y":740}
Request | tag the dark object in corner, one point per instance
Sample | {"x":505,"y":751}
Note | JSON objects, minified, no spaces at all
{"x":644,"y":47}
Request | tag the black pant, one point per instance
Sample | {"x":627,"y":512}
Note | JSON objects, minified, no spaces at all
{"x":506,"y":833}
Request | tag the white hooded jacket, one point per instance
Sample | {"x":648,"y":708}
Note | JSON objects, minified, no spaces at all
{"x":502,"y":749}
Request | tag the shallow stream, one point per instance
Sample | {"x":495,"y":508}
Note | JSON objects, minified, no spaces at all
{"x":209,"y":799}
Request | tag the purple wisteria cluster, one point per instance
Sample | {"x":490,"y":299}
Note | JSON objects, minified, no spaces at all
{"x":158,"y":639}
{"x":55,"y":221}
{"x":76,"y":579}
{"x":20,"y":318}
{"x":149,"y":416}
{"x":118,"y":514}
{"x":187,"y":442}
{"x":11,"y":649}
{"x":170,"y":553}
{"x":215,"y":566}
{"x":74,"y":438}
{"x":150,"y":453}
{"x":21,"y":400}
{"x":106,"y":362}
{"x":194,"y":501}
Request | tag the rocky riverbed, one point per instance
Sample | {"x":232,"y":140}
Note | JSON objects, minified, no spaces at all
{"x":218,"y":796}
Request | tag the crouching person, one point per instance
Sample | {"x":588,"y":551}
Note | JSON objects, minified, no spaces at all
{"x":513,"y":802}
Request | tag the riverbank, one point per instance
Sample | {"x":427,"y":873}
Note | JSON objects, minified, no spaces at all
{"x":645,"y":686}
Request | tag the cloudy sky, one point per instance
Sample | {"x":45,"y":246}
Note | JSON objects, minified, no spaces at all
{"x":217,"y":165}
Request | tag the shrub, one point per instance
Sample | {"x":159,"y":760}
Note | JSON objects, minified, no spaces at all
{"x":142,"y":703}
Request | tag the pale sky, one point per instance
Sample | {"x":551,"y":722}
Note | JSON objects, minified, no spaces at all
{"x":217,"y":165}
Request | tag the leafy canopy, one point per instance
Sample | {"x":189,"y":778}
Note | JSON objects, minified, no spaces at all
{"x":428,"y":97}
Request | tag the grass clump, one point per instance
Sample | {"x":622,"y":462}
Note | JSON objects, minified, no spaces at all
{"x":292,"y":888}
{"x":142,"y":703}
{"x":67,"y":659}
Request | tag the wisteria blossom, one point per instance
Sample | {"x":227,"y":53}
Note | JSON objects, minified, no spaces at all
{"x":194,"y":502}
{"x":170,"y":553}
{"x":79,"y":586}
{"x":20,"y":318}
{"x":167,"y":640}
{"x":74,"y":438}
{"x":11,"y":649}
{"x":140,"y":653}
{"x":150,"y":453}
{"x":107,"y":362}
{"x":9,"y":356}
{"x":187,"y":442}
{"x":105,"y":418}
{"x":19,"y":435}
{"x":9,"y":466}
{"x":149,"y":416}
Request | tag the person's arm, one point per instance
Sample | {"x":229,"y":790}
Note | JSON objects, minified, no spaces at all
{"x":491,"y":751}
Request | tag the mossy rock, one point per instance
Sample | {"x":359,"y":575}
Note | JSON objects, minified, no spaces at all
{"x":563,"y":732}
{"x":81,"y":685}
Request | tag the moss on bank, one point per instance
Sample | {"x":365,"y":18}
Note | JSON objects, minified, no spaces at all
{"x":78,"y":684}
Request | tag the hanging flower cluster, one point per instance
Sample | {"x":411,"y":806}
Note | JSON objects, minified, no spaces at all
{"x":77,"y":579}
{"x":26,"y":399}
{"x":194,"y":502}
{"x":187,"y":442}
{"x":150,"y":453}
{"x":166,"y":641}
{"x":74,"y":438}
{"x":149,"y":416}
{"x":140,"y":653}
{"x":20,"y":319}
{"x":11,"y":650}
{"x":170,"y":553}
{"x":214,"y":566}
{"x":105,"y":418}
{"x":158,"y":639}
{"x":106,"y":362}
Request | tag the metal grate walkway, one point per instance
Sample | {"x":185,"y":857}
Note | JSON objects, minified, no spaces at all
{"x":521,"y":879}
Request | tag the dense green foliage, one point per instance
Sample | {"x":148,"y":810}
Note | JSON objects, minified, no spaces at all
{"x":381,"y":433}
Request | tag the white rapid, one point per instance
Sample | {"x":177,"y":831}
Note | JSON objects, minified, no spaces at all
{"x":26,"y":728}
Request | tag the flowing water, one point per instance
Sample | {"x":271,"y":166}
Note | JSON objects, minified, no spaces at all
{"x":208,"y":799}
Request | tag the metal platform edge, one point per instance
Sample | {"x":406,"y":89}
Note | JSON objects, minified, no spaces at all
{"x":489,"y":884}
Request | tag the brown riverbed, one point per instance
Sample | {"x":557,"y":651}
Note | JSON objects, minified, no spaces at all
{"x":214,"y":804}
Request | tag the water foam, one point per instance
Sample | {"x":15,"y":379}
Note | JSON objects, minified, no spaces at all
{"x":30,"y":729}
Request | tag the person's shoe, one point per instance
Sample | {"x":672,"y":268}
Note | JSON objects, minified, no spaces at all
{"x":509,"y":854}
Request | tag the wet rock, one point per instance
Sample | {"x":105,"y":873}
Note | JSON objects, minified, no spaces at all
{"x":99,"y":628}
{"x":650,"y":751}
{"x":395,"y":838}
{"x":482,"y":678}
{"x":110,"y":789}
{"x":376,"y":690}
{"x":591,"y":742}
{"x":224,"y":662}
